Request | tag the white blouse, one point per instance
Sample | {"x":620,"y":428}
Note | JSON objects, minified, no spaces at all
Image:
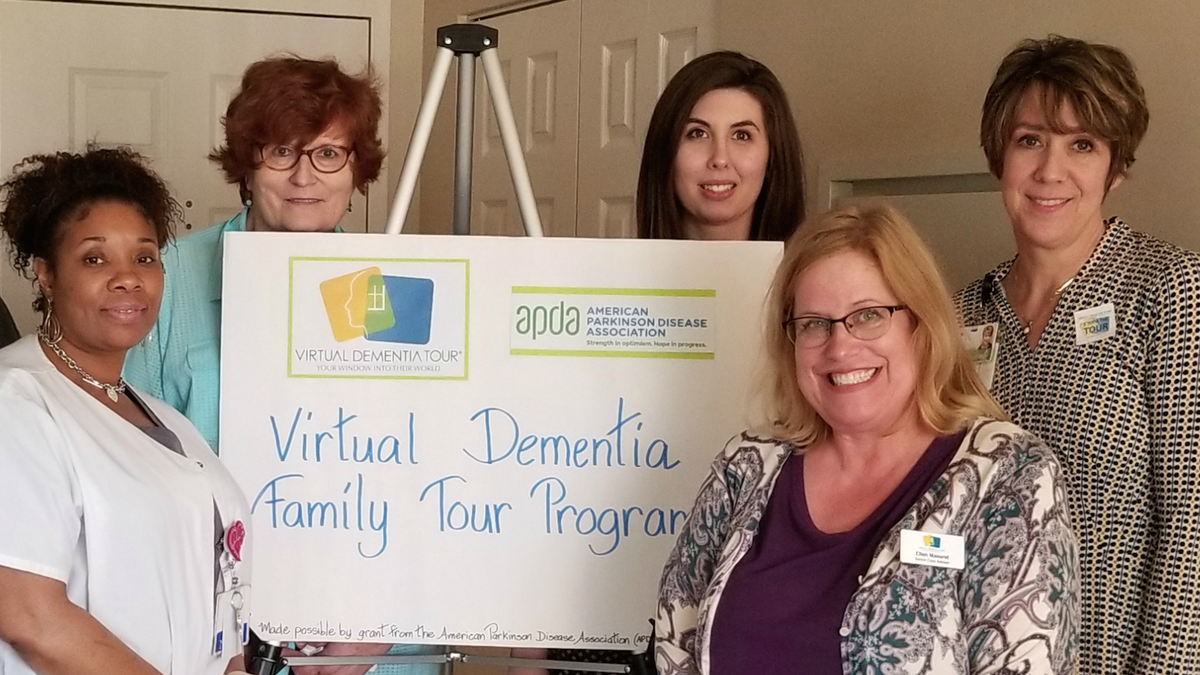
{"x":90,"y":500}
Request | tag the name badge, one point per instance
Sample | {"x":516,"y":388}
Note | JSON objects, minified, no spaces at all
{"x":983,"y":343}
{"x":1095,"y":324}
{"x":932,"y":548}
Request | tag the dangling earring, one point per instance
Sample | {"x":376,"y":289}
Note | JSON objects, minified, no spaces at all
{"x":349,"y":207}
{"x":50,"y":330}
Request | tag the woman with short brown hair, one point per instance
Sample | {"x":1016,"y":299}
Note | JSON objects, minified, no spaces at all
{"x":1098,"y":340}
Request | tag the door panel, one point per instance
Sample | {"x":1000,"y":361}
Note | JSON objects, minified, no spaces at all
{"x":539,"y":54}
{"x":630,"y":50}
{"x":969,"y":232}
{"x":586,"y":166}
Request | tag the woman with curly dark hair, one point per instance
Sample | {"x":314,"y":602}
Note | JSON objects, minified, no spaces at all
{"x":110,"y":566}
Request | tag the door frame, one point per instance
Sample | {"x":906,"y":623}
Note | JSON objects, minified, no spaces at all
{"x":505,"y":8}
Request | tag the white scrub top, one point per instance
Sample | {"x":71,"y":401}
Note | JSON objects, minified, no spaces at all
{"x":90,"y":500}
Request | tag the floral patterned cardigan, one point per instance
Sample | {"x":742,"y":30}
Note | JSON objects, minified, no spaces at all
{"x":1014,"y":608}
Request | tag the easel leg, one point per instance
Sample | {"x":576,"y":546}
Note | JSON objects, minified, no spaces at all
{"x":419,"y":141}
{"x":466,"y":41}
{"x":464,"y":144}
{"x":512,"y":143}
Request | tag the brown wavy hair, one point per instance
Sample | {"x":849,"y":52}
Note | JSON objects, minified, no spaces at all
{"x":1098,"y":80}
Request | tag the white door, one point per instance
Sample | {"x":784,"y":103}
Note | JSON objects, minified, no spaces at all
{"x":156,"y":78}
{"x":625,"y":52}
{"x":539,"y":55}
{"x":630,"y":50}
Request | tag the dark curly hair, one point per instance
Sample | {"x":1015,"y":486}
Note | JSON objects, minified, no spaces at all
{"x":47,"y":191}
{"x":286,"y":100}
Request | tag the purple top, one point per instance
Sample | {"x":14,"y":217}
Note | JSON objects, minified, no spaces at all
{"x":781,"y":611}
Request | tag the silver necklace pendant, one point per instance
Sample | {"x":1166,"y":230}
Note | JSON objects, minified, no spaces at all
{"x":112,"y":390}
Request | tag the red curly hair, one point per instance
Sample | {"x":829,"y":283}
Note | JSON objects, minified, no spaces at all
{"x":290,"y":101}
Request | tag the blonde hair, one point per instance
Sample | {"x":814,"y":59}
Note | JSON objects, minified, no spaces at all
{"x":949,"y":394}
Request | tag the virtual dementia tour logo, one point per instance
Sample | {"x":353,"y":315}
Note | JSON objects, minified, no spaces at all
{"x":398,"y":318}
{"x":380,"y":308}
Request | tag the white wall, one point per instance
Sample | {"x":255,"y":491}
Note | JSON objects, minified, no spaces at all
{"x":894,"y":81}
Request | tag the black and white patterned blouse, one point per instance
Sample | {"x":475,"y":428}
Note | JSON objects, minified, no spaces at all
{"x":1123,"y":413}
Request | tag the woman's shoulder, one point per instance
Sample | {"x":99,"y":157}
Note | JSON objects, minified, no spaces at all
{"x":999,"y":438}
{"x":202,"y":243}
{"x":970,"y":298}
{"x":750,"y":459}
{"x":19,"y":362}
{"x":26,"y":403}
{"x":985,"y":430}
{"x":193,"y":278}
{"x":1148,"y":259}
{"x":998,"y":450}
{"x":755,"y":442}
{"x":194,"y":243}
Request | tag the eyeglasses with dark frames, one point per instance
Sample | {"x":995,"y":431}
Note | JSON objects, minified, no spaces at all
{"x":324,"y":158}
{"x":868,"y":323}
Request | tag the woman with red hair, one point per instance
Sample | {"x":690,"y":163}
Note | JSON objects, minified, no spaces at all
{"x":300,"y":137}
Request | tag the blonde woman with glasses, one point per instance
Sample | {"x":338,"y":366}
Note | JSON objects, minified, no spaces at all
{"x":889,"y":520}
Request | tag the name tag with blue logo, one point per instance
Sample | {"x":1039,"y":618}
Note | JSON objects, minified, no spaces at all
{"x":932,"y":548}
{"x":1095,"y":324}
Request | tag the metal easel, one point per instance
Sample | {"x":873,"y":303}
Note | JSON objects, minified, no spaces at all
{"x":467,"y":41}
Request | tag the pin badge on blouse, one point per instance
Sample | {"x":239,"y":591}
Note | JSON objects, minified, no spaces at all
{"x":935,"y":549}
{"x":235,"y":535}
{"x":1095,"y":324}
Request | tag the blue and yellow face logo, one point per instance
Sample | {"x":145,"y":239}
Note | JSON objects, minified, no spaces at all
{"x":368,"y":304}
{"x":1095,"y":326}
{"x":932,"y":541}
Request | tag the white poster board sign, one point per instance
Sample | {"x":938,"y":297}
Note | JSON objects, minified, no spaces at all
{"x":476,"y":440}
